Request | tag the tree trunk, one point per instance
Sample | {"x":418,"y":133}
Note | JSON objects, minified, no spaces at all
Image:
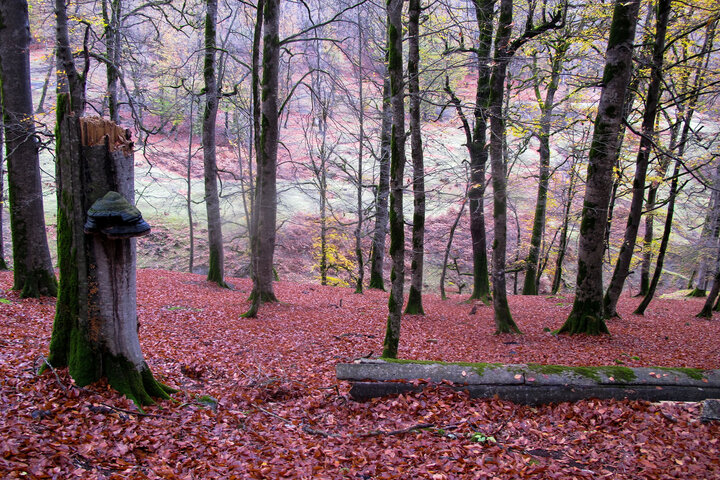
{"x":397,"y":165}
{"x":383,"y":192}
{"x":265,"y":205}
{"x":478,"y":151}
{"x":652,"y":286}
{"x":33,"y":271}
{"x":562,"y":247}
{"x":95,"y":331}
{"x":504,"y":322}
{"x":652,"y":101}
{"x":451,"y":235}
{"x":414,"y":304}
{"x":587,"y":315}
{"x":546,"y":111}
{"x":188,"y":203}
{"x":216,"y":266}
{"x":361,"y":103}
{"x":112,"y":51}
{"x":46,"y":84}
{"x":3,"y":264}
{"x":66,"y":63}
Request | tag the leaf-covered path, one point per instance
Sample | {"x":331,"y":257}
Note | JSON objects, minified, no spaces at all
{"x":260,"y":399}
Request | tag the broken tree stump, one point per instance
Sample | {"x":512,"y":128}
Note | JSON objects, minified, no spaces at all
{"x":95,"y":332}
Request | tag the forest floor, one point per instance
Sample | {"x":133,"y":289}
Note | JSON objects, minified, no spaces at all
{"x":259,"y":397}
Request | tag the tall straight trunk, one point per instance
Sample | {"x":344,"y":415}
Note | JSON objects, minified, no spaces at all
{"x":361,"y":102}
{"x":75,"y":81}
{"x":265,"y":205}
{"x":397,"y":165}
{"x":111,"y":17}
{"x":414,"y":304}
{"x":216,"y":263}
{"x":3,"y":264}
{"x":562,"y":246}
{"x":504,"y":322}
{"x":530,"y":285}
{"x":652,"y":101}
{"x":33,"y":271}
{"x":587,"y":315}
{"x":640,"y":310}
{"x":380,"y":229}
{"x":478,"y":151}
{"x":188,"y":203}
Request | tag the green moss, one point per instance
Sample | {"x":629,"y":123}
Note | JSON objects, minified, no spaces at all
{"x":414,"y":304}
{"x":85,"y":363}
{"x":692,"y":373}
{"x":138,"y":385}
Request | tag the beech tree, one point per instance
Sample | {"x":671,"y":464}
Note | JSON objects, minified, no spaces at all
{"x":264,"y":211}
{"x":33,"y":273}
{"x":3,"y":263}
{"x":216,"y":263}
{"x":414,"y":303}
{"x":652,"y":102}
{"x":587,"y":315}
{"x":397,"y":166}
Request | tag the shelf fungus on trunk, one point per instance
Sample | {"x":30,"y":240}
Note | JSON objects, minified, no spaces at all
{"x":116,"y":218}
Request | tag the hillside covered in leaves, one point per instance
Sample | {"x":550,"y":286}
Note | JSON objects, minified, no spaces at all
{"x":259,"y":398}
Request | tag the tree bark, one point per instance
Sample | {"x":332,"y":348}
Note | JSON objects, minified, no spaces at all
{"x":265,"y":205}
{"x":397,"y":165}
{"x":652,"y":101}
{"x":380,"y":229}
{"x":562,"y":246}
{"x":3,"y":263}
{"x":530,"y":284}
{"x":216,"y":262}
{"x":361,"y":102}
{"x":111,"y":17}
{"x":478,"y":151}
{"x":587,"y":315}
{"x":95,"y":332}
{"x":33,"y":271}
{"x":504,"y":322}
{"x":75,"y":81}
{"x":188,"y":203}
{"x":414,"y":303}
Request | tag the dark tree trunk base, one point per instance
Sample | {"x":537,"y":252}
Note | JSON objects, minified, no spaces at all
{"x":414,"y":304}
{"x":589,"y":324}
{"x":697,"y":293}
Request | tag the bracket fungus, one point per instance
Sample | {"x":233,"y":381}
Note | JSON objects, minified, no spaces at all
{"x":116,"y":218}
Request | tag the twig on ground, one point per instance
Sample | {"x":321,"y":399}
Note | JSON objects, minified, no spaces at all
{"x":419,"y":426}
{"x":57,"y":377}
{"x":131,"y":412}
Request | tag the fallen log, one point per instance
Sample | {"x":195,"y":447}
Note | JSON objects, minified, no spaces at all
{"x":531,"y":383}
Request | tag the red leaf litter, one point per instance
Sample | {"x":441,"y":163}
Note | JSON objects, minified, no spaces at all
{"x":260,"y":399}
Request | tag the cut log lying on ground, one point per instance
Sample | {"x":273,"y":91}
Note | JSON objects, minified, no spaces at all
{"x":531,"y":384}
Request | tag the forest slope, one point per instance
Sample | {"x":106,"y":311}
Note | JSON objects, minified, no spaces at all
{"x":260,"y":400}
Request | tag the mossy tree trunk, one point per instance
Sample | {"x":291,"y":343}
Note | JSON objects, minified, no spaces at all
{"x":504,"y":322}
{"x":216,"y":263}
{"x":587,"y":315}
{"x":265,"y":204}
{"x":547,"y":106}
{"x":397,"y":165}
{"x":32,"y":269}
{"x":380,"y":228}
{"x":95,"y":332}
{"x":652,"y":102}
{"x":414,"y":303}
